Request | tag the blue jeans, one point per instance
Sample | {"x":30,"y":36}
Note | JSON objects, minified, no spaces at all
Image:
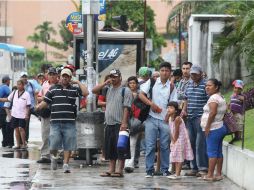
{"x":198,"y":144}
{"x":63,"y":135}
{"x":153,"y":127}
{"x":214,"y":142}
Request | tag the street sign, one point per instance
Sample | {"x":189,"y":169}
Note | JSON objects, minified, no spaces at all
{"x":102,"y":15}
{"x":74,"y":23}
{"x":149,"y":44}
{"x":90,"y":7}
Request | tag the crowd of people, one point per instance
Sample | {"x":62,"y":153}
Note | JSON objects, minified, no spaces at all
{"x":175,"y":117}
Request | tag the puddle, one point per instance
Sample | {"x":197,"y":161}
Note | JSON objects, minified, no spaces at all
{"x":20,"y":185}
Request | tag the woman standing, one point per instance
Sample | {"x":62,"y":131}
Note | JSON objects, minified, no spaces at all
{"x":215,"y":131}
{"x":20,"y":107}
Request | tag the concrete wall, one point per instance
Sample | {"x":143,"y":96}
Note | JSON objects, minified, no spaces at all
{"x":238,"y":166}
{"x":202,"y":31}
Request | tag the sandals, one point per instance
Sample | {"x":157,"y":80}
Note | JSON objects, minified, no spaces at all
{"x":218,"y":178}
{"x":205,"y":178}
{"x":106,"y":174}
{"x":117,"y":174}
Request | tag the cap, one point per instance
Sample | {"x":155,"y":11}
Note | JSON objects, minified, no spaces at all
{"x":115,"y":72}
{"x":5,"y":78}
{"x":52,"y":70}
{"x":23,"y":73}
{"x":71,"y":67}
{"x":143,"y":72}
{"x":67,"y":72}
{"x":196,"y":69}
{"x":238,"y":84}
{"x":40,"y":74}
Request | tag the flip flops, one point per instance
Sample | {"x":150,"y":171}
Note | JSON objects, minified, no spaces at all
{"x":117,"y":174}
{"x":106,"y":174}
{"x":211,"y":179}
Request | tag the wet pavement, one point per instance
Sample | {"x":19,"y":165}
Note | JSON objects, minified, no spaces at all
{"x":20,"y":171}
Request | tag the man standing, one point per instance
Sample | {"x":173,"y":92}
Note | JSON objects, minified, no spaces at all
{"x":186,"y":66}
{"x":31,"y":89}
{"x":118,"y":103}
{"x":45,"y":120}
{"x":4,"y":93}
{"x":195,"y":99}
{"x":61,"y":98}
{"x":155,"y":124}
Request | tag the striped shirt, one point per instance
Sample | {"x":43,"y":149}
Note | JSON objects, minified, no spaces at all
{"x":196,"y":97}
{"x":115,"y":104}
{"x":221,"y":110}
{"x":236,"y":105}
{"x":62,"y":102}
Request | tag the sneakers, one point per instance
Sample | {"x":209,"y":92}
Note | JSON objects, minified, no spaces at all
{"x":128,"y":169}
{"x":53,"y":163}
{"x":66,"y":168}
{"x":174,"y":177}
{"x":149,"y":174}
{"x":167,"y":173}
{"x":16,"y":147}
{"x":44,"y":161}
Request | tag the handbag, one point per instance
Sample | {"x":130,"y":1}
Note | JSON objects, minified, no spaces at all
{"x":230,"y":122}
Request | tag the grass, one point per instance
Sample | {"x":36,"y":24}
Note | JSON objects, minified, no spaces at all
{"x":249,"y":124}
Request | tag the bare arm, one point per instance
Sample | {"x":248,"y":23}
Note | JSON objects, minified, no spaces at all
{"x":125,"y":119}
{"x":213,"y":111}
{"x":178,"y":122}
{"x":27,"y":111}
{"x":4,"y":100}
{"x":147,"y":101}
{"x":83,"y":88}
{"x":99,"y":87}
{"x":41,"y":105}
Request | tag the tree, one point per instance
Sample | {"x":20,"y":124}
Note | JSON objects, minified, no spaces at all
{"x":36,"y":38}
{"x":134,"y":11}
{"x":45,"y":29}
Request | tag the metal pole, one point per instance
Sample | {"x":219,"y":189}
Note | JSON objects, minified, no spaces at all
{"x":179,"y":36}
{"x":144,"y":48}
{"x":90,"y":69}
{"x":147,"y":59}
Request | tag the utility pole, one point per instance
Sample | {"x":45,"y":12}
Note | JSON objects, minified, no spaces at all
{"x":5,"y":24}
{"x":144,"y":48}
{"x":90,"y":8}
{"x":180,"y":37}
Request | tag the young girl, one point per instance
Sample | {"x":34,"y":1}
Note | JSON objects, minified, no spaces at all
{"x":180,"y":146}
{"x":237,"y":108}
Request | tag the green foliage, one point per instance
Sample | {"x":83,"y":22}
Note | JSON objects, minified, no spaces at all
{"x":35,"y":54}
{"x":35,"y":38}
{"x":45,"y":30}
{"x":134,"y":10}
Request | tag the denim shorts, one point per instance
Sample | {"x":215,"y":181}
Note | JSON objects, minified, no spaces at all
{"x":214,"y":142}
{"x":63,"y":135}
{"x":17,"y":122}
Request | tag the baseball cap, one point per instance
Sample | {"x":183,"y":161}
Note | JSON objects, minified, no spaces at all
{"x":67,"y":72}
{"x":238,"y":84}
{"x":23,"y":73}
{"x":5,"y":78}
{"x":71,"y":67}
{"x":196,"y":69}
{"x":143,"y":71}
{"x":115,"y":72}
{"x":52,"y":70}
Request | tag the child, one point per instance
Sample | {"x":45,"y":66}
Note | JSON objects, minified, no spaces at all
{"x":237,"y":108}
{"x":180,"y":146}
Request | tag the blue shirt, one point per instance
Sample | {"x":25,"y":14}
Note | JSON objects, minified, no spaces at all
{"x":30,"y":88}
{"x":4,"y":93}
{"x":196,"y":97}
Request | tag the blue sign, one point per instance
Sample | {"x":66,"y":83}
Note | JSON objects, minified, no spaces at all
{"x":102,"y":15}
{"x":74,"y":22}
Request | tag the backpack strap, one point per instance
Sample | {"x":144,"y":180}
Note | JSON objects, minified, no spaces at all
{"x":123,"y":93}
{"x":11,"y":104}
{"x":151,"y":87}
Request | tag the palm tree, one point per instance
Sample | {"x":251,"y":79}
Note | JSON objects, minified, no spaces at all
{"x":35,"y":38}
{"x":45,"y":29}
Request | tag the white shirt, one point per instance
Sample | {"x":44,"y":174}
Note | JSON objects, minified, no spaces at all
{"x":161,"y":96}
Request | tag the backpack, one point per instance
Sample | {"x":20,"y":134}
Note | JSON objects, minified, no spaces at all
{"x":139,"y":109}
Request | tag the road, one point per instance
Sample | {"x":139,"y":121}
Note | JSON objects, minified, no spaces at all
{"x":20,"y":171}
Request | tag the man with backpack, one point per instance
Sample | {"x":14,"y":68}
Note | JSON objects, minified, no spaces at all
{"x":118,"y":103}
{"x":157,"y":94}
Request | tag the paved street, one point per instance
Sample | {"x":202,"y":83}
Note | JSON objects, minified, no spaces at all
{"x":20,"y":171}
